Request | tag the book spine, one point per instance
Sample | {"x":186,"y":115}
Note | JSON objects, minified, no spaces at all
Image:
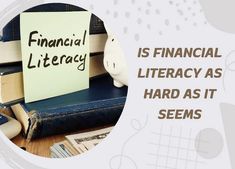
{"x":11,"y":31}
{"x":3,"y":119}
{"x":96,"y":25}
{"x":8,"y":104}
{"x":58,"y":123}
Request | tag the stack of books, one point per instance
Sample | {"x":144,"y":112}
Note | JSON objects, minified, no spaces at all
{"x":99,"y":105}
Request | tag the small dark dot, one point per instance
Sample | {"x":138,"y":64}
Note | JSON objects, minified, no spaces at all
{"x":23,"y":148}
{"x":112,"y":40}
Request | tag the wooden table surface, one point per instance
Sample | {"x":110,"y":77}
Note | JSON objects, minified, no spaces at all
{"x":39,"y":147}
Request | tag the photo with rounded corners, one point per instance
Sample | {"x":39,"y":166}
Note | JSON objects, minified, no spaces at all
{"x":64,"y":80}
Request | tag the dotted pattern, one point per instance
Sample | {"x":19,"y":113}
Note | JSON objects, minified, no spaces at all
{"x":158,"y":16}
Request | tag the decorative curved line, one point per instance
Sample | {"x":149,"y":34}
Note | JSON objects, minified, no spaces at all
{"x":122,"y":156}
{"x":228,"y":68}
{"x":127,"y":141}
